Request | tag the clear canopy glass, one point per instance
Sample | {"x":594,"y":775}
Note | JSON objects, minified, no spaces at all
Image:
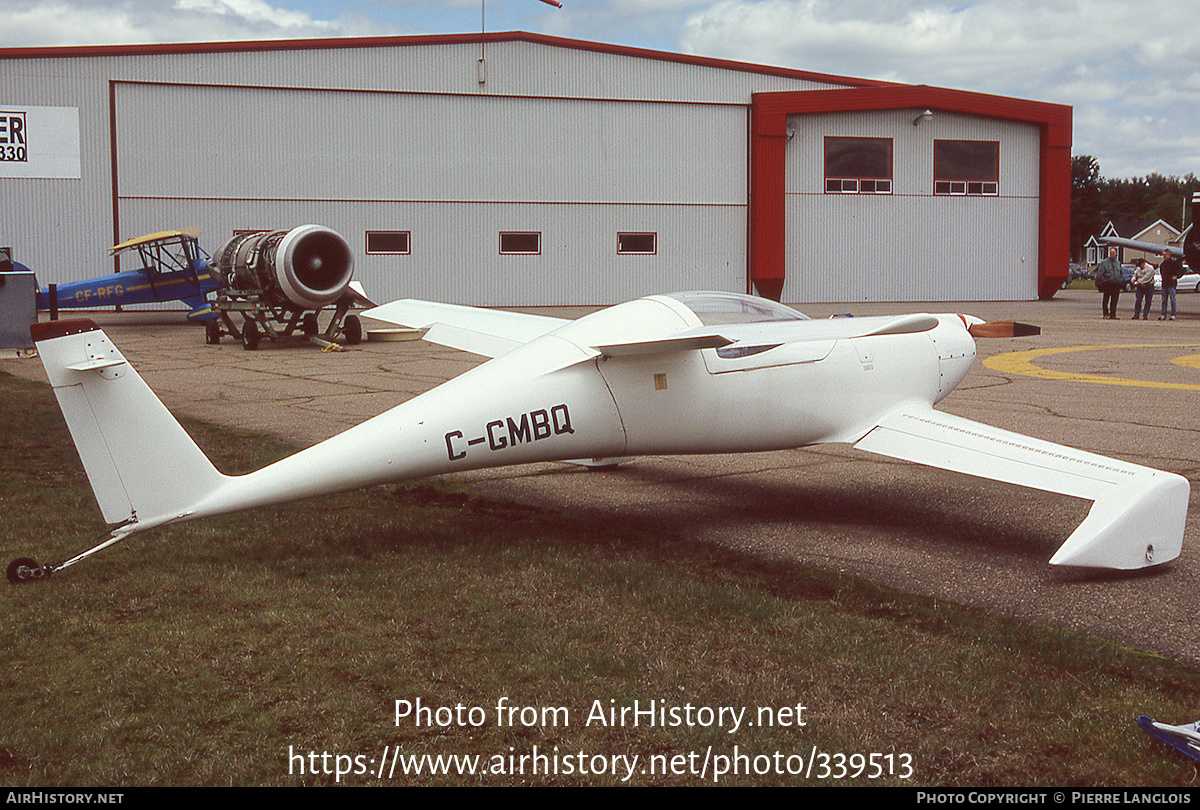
{"x":718,"y":308}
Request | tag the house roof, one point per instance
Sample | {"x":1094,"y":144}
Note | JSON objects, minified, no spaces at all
{"x":1136,"y":228}
{"x":1124,"y":228}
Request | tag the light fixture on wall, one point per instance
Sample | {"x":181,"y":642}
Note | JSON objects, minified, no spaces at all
{"x":923,"y":116}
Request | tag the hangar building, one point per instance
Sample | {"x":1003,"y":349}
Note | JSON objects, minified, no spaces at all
{"x":520,"y":169}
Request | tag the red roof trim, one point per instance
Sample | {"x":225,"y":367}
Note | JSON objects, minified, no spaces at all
{"x":339,"y":43}
{"x":1057,"y":117}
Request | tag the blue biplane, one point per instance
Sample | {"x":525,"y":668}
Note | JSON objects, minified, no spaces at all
{"x":174,"y":268}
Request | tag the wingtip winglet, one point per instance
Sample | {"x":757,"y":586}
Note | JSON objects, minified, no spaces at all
{"x":1137,"y":525}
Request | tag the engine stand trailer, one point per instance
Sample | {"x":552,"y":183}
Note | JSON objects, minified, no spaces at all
{"x":261,"y":318}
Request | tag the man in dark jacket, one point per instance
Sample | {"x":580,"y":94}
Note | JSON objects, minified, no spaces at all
{"x":1109,"y":280}
{"x":1170,"y":270}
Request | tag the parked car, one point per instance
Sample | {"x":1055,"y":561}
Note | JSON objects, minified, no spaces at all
{"x":1188,"y":282}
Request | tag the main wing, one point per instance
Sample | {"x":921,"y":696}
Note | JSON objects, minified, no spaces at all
{"x":1138,"y":515}
{"x":773,"y":333}
{"x":489,"y":332}
{"x":493,"y":332}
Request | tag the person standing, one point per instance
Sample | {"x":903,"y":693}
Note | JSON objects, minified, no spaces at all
{"x":1143,"y":285}
{"x":1109,"y":280}
{"x":1170,"y":270}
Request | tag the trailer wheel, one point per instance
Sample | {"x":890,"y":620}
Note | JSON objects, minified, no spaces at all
{"x":352,"y":329}
{"x":250,"y":336}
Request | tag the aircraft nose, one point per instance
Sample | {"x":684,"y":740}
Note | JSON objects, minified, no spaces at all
{"x":955,"y":350}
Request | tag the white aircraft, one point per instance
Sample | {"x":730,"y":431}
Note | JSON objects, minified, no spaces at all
{"x":668,"y":374}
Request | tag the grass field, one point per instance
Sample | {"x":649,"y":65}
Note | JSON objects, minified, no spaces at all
{"x":272,"y":647}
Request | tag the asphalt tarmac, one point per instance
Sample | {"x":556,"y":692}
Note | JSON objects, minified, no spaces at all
{"x":1126,"y":389}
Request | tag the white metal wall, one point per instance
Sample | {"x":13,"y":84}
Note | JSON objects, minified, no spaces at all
{"x":60,"y":228}
{"x":576,"y":143}
{"x":197,"y":145}
{"x":325,"y":145}
{"x":910,"y":245}
{"x":453,"y":171}
{"x":698,"y":246}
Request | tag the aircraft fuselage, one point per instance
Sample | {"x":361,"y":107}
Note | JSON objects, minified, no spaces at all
{"x":554,"y":400}
{"x":130,"y":287}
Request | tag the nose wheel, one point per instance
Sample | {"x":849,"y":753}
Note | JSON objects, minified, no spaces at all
{"x":26,"y":569}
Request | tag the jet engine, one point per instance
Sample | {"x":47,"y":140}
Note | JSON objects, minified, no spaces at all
{"x":306,"y":268}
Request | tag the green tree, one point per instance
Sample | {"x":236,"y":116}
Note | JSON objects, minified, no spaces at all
{"x":1086,"y":216}
{"x":1096,"y":201}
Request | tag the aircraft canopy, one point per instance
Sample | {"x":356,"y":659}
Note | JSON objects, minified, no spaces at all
{"x":720,"y":308}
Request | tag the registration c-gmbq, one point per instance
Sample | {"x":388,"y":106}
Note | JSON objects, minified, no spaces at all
{"x":512,"y":431}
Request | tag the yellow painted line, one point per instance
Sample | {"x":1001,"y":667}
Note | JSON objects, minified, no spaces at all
{"x":1022,"y":363}
{"x":1188,"y":361}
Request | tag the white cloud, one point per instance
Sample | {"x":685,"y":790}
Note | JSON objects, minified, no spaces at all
{"x":1133,"y":85}
{"x":918,"y":42}
{"x":251,"y":11}
{"x":66,"y":24}
{"x":95,"y":22}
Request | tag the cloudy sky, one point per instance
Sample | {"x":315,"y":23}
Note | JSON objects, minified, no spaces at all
{"x":1126,"y":67}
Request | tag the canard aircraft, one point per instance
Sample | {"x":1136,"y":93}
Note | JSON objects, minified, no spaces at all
{"x":685,"y":373}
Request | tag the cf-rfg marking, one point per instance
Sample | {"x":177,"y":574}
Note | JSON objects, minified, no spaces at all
{"x":508,"y":432}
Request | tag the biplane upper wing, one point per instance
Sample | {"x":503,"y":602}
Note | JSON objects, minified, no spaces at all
{"x":158,"y":236}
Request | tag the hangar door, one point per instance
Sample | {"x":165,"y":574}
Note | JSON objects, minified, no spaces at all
{"x":605,"y":200}
{"x":882,"y":209}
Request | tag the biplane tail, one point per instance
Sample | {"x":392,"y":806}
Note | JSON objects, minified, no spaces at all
{"x":202,"y":309}
{"x":145,"y":470}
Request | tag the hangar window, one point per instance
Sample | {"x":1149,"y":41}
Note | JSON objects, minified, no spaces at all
{"x":644,"y":243}
{"x":858,"y":165}
{"x":388,"y":242}
{"x":966,"y":168}
{"x":520,"y":242}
